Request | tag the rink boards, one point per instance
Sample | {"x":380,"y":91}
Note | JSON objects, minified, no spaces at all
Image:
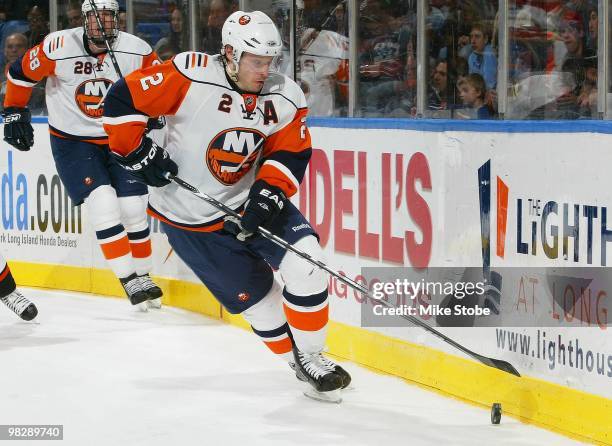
{"x":414,"y":194}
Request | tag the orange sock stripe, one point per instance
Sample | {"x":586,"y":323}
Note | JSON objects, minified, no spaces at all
{"x":116,"y":249}
{"x":141,"y":250}
{"x":4,"y":273}
{"x":280,"y":347}
{"x":307,"y":321}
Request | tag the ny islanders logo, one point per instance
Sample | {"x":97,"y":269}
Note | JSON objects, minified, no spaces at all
{"x":89,"y":96}
{"x":232,"y":153}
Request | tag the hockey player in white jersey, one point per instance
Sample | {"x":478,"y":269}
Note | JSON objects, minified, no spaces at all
{"x":80,"y":70}
{"x":322,"y":70}
{"x":11,"y":297}
{"x":237,"y":131}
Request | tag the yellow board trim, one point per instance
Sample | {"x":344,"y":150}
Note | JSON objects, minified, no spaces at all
{"x":571,"y":412}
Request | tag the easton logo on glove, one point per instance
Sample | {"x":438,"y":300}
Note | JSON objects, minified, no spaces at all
{"x":149,"y":163}
{"x":264,"y":204}
{"x":147,"y":159}
{"x":277,"y":197}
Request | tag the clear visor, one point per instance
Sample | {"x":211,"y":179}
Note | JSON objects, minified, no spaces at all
{"x":260,"y":64}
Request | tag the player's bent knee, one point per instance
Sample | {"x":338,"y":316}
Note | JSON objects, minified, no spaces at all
{"x":103,"y":207}
{"x":134,"y":212}
{"x":300,"y":276}
{"x":267,"y":314}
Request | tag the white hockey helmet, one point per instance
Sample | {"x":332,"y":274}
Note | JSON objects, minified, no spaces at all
{"x":90,"y":22}
{"x":251,"y":32}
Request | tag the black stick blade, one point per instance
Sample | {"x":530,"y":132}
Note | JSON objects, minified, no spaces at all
{"x":504,"y":366}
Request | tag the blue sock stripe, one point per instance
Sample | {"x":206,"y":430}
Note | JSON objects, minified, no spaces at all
{"x":110,"y":232}
{"x":139,"y":235}
{"x":305,"y":301}
{"x":283,"y":329}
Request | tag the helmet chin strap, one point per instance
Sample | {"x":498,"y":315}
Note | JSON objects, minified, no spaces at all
{"x":231,"y":68}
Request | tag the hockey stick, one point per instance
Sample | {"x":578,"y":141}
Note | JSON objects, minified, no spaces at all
{"x":491,"y":362}
{"x":111,"y":53}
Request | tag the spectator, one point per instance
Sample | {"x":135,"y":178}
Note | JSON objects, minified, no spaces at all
{"x":178,"y":40}
{"x":219,"y":10}
{"x":38,"y":19}
{"x":15,"y":46}
{"x":587,"y":96}
{"x":122,"y":20}
{"x":482,"y":60}
{"x":472,"y":91}
{"x":572,"y":102}
{"x":438,"y":89}
{"x":338,"y":20}
{"x":591,"y":40}
{"x":18,"y":9}
{"x":381,"y":67}
{"x":73,"y":15}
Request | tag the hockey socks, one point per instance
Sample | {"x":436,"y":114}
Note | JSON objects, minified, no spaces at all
{"x":307,"y":317}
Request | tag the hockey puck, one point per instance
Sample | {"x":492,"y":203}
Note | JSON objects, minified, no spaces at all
{"x":496,"y":413}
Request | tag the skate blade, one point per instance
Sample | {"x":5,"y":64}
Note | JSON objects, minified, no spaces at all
{"x":332,"y":396}
{"x":155,"y":304}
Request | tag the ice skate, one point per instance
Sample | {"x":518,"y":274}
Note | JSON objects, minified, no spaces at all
{"x":135,"y":293}
{"x":155,"y":293}
{"x":19,"y":305}
{"x":318,"y":372}
{"x":343,"y":374}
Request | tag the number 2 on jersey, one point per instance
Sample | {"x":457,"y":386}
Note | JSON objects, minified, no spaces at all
{"x":156,"y":79}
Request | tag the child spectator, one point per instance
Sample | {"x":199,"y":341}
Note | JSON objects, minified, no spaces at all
{"x":472,"y":91}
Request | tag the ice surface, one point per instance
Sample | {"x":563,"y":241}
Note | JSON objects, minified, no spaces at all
{"x":113,"y":376}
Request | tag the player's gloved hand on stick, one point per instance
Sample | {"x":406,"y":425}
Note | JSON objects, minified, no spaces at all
{"x":149,"y":163}
{"x":18,"y":130}
{"x":263,"y":206}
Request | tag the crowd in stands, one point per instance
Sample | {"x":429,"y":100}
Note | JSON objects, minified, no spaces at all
{"x":552,"y":62}
{"x":23,"y":24}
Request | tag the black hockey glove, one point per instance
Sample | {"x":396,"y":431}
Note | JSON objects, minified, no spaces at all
{"x":263,"y":206}
{"x":156,"y":123}
{"x":148,"y":163}
{"x":18,"y":130}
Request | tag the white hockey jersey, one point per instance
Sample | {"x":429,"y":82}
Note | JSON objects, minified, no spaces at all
{"x":77,"y":80}
{"x":322,"y":69}
{"x":222,"y":139}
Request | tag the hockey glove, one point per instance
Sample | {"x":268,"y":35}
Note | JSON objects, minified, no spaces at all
{"x":156,"y":123}
{"x":263,"y":206}
{"x":149,"y":163}
{"x":18,"y":131}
